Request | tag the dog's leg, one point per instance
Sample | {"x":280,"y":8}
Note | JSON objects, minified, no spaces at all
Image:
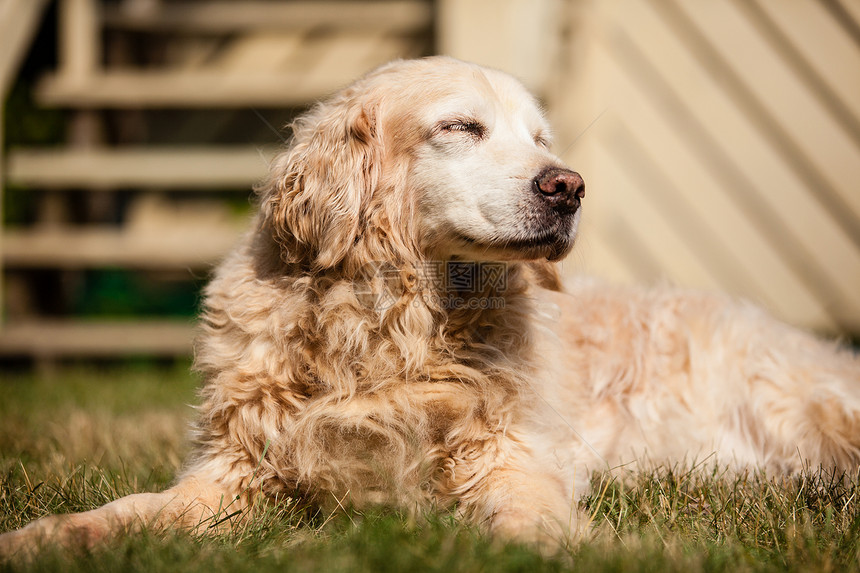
{"x":522,"y":499}
{"x":799,"y":404}
{"x":530,"y":508}
{"x":807,"y":396}
{"x":191,"y":504}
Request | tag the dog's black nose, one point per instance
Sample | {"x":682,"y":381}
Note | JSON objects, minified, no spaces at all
{"x":561,"y":187}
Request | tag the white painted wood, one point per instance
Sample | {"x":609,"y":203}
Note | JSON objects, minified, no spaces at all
{"x":814,"y":131}
{"x":51,"y":339}
{"x":786,"y":198}
{"x":761,"y":272}
{"x":95,"y":247}
{"x":140,"y":167}
{"x":79,"y":39}
{"x":823,"y":42}
{"x":19,"y":20}
{"x":520,"y":37}
{"x":214,"y":16}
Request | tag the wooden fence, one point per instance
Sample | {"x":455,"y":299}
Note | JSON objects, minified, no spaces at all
{"x":719,"y":139}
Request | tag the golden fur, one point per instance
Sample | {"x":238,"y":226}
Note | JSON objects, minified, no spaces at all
{"x":336,"y":366}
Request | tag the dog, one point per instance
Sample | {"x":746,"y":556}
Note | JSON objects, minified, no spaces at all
{"x":393,"y":330}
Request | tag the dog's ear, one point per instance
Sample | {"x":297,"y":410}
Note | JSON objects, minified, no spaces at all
{"x":313,"y":201}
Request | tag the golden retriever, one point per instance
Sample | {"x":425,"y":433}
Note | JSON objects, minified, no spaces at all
{"x":393,"y":331}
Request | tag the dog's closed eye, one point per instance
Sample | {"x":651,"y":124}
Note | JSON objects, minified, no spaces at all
{"x":542,"y":140}
{"x":470,"y":127}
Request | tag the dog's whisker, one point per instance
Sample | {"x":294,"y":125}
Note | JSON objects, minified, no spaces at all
{"x":564,"y":152}
{"x":270,"y":126}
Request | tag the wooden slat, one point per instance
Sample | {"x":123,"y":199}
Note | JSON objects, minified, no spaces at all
{"x":187,"y":88}
{"x":345,"y":55}
{"x":80,"y":39}
{"x":312,"y":72}
{"x":397,"y":16}
{"x":252,"y":53}
{"x":515,"y":36}
{"x":99,"y":247}
{"x":205,"y":168}
{"x":18,"y":22}
{"x":54,"y":339}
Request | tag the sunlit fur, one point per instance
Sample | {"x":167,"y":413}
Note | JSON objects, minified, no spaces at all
{"x":314,"y":388}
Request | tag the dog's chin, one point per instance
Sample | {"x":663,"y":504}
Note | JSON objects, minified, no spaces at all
{"x":550,"y":246}
{"x":551,"y":250}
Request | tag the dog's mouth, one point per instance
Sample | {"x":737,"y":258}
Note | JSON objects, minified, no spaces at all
{"x":553,"y":249}
{"x":548,"y":243}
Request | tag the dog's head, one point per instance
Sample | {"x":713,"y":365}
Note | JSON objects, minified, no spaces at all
{"x":428,"y":158}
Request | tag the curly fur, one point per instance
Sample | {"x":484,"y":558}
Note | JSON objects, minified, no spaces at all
{"x":313,"y":386}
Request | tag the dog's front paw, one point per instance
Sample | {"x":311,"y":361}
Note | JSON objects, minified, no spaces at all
{"x":75,"y":531}
{"x":547,"y":534}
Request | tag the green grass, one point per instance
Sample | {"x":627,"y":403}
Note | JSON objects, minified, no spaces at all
{"x":86,"y":436}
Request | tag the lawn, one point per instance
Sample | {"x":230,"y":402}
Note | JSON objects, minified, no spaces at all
{"x":85,"y":436}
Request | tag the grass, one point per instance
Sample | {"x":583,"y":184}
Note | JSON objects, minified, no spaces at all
{"x":87,"y":436}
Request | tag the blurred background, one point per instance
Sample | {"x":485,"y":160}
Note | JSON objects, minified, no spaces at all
{"x":719,"y":140}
